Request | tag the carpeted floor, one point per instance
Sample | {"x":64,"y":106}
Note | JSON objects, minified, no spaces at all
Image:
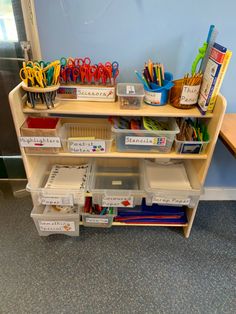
{"x":118,"y":270}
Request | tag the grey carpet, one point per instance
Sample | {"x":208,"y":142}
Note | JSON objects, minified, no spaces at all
{"x":118,"y":270}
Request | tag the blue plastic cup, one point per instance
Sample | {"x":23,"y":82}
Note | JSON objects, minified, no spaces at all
{"x":158,"y":95}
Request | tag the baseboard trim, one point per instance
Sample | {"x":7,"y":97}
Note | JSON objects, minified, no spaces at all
{"x":219,"y":194}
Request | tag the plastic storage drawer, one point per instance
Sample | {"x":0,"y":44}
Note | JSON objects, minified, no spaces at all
{"x":103,"y":221}
{"x":56,"y":196}
{"x":190,"y":147}
{"x":168,"y":194}
{"x":116,"y":183}
{"x":56,"y":223}
{"x":144,"y":140}
{"x":86,"y":137}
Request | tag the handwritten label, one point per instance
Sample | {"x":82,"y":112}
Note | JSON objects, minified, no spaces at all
{"x":61,"y":226}
{"x":91,"y":92}
{"x":54,"y":200}
{"x":171,"y":200}
{"x":189,"y":95}
{"x":87,"y":146}
{"x":97,"y":220}
{"x":118,"y":201}
{"x":130,"y":90}
{"x":147,"y":141}
{"x":118,"y":182}
{"x":152,"y":97}
{"x":40,"y":141}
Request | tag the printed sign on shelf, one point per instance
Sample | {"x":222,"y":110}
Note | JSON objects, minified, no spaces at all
{"x":59,"y":226}
{"x":40,"y":141}
{"x":145,"y":140}
{"x":171,"y":200}
{"x":189,"y":95}
{"x":118,"y":201}
{"x":96,"y":220}
{"x":87,"y":146}
{"x":57,"y":200}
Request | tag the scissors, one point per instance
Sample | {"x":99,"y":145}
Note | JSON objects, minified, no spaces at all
{"x":63,"y":61}
{"x":75,"y":74}
{"x":83,"y":62}
{"x":26,"y":74}
{"x":40,"y":77}
{"x":65,"y":74}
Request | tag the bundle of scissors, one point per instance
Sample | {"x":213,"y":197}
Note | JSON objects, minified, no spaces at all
{"x":81,"y":71}
{"x":40,"y":74}
{"x":41,"y":80}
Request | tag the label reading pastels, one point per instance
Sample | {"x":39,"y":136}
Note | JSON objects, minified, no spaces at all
{"x":87,"y":146}
{"x":40,"y":141}
{"x":60,"y":200}
{"x":96,"y":220}
{"x":152,"y":97}
{"x":147,"y":141}
{"x":118,"y":201}
{"x":170,"y":200}
{"x":130,"y":90}
{"x":57,"y":226}
{"x":189,"y":95}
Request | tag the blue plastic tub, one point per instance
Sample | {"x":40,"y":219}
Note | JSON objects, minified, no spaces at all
{"x":158,"y":95}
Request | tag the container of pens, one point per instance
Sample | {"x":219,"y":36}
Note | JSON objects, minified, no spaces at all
{"x":193,"y":137}
{"x":184,"y":94}
{"x":40,"y":80}
{"x":96,"y":215}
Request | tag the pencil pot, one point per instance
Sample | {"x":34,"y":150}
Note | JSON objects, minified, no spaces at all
{"x":184,"y":94}
{"x":158,"y":95}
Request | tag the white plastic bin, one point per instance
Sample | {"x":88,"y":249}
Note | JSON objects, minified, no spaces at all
{"x":56,"y":223}
{"x":190,"y":147}
{"x":144,"y":140}
{"x":170,"y":190}
{"x":116,"y":183}
{"x":86,"y":137}
{"x":56,"y":196}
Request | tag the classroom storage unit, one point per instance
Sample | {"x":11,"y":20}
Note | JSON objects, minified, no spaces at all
{"x":197,"y":163}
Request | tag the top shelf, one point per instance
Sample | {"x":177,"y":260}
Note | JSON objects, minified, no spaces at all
{"x":113,"y":109}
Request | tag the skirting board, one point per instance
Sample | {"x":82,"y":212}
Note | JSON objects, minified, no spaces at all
{"x":219,"y":194}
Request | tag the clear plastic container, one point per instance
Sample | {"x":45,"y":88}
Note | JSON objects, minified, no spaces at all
{"x":190,"y":147}
{"x":160,"y":141}
{"x":116,"y":183}
{"x":86,"y":137}
{"x":56,"y":196}
{"x":102,"y":221}
{"x":40,"y":135}
{"x":56,"y":223}
{"x":130,"y":95}
{"x":164,"y":192}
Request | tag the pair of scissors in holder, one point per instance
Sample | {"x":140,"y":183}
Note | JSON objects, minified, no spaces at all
{"x":26,"y":74}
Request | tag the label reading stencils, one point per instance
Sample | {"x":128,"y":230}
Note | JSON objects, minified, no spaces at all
{"x":189,"y":95}
{"x":130,"y":90}
{"x":145,"y":140}
{"x":59,"y":226}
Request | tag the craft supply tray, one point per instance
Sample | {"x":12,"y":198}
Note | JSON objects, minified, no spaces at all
{"x":56,"y":223}
{"x":68,"y":196}
{"x":160,"y":141}
{"x":116,"y":182}
{"x":185,"y":189}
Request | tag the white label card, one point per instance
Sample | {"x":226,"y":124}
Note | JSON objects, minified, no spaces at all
{"x":118,"y":201}
{"x":171,"y":200}
{"x":130,"y":90}
{"x":60,"y":200}
{"x":92,"y":92}
{"x":97,"y":220}
{"x":62,"y":226}
{"x":152,"y":97}
{"x":189,"y":95}
{"x":146,"y":141}
{"x":40,"y":141}
{"x":87,"y":146}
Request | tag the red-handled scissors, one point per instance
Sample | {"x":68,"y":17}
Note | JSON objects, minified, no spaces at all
{"x":75,"y":74}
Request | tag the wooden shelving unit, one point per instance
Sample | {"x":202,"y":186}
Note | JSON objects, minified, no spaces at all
{"x":201,"y":163}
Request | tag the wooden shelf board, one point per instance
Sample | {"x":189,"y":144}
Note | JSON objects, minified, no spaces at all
{"x":171,"y":155}
{"x":112,"y":108}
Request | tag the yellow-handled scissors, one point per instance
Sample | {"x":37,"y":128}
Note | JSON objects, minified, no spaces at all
{"x":40,"y":77}
{"x":56,"y":73}
{"x":26,"y":74}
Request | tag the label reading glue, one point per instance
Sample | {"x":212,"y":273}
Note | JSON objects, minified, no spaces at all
{"x":189,"y":95}
{"x":130,"y":90}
